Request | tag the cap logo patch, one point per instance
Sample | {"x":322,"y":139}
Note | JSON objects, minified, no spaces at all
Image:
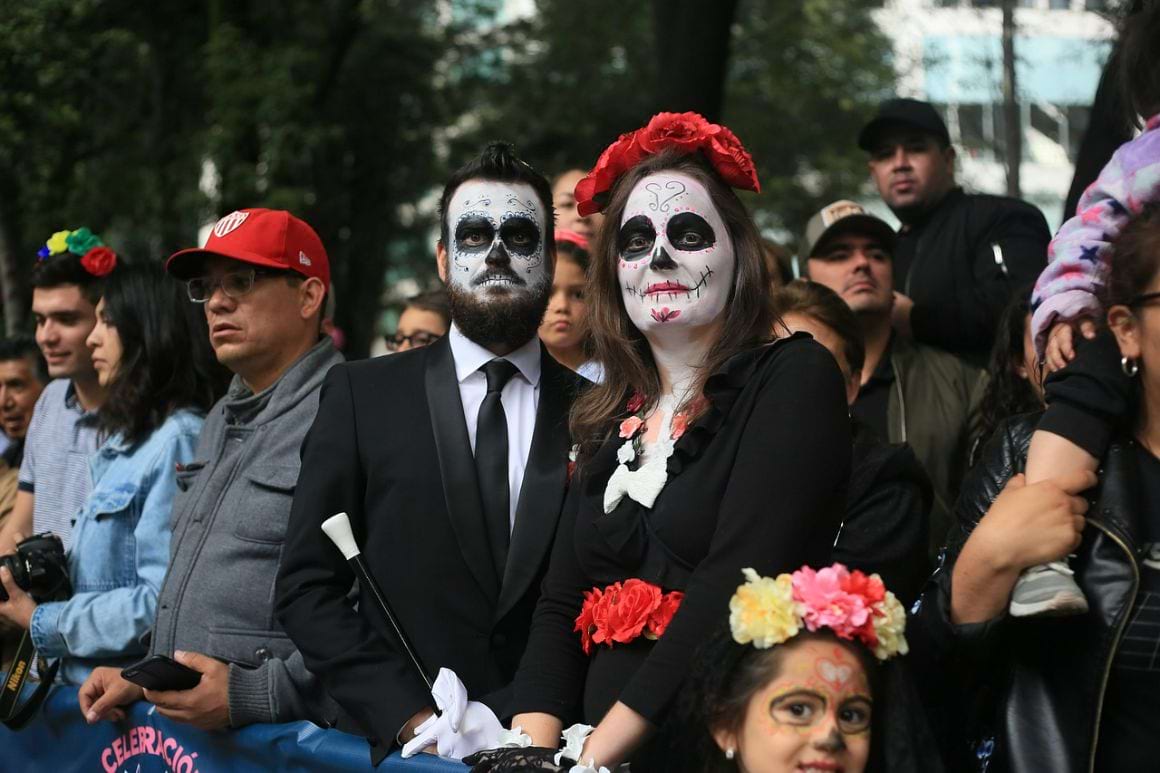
{"x":303,"y":259}
{"x":229,"y":223}
{"x":839,"y":210}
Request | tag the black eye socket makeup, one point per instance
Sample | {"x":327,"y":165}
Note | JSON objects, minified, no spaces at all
{"x":520,"y":235}
{"x":474,"y":232}
{"x":636,"y":238}
{"x":689,"y":232}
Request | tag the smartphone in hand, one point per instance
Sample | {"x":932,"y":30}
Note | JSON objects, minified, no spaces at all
{"x":161,"y":672}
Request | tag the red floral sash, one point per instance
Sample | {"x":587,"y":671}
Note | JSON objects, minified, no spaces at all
{"x":624,"y":612}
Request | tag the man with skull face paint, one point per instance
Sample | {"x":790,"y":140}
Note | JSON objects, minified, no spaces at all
{"x":705,"y":450}
{"x":451,"y":461}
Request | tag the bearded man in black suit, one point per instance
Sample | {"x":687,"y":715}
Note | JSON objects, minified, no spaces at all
{"x":451,"y":461}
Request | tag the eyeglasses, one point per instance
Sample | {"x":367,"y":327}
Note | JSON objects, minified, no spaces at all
{"x":415,"y":340}
{"x":1146,"y":298}
{"x":234,"y":284}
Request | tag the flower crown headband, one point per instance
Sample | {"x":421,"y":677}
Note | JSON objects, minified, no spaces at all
{"x":766,"y":611}
{"x":96,"y":258}
{"x":686,"y":132}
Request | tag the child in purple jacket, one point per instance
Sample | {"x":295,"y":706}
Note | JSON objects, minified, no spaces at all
{"x":1090,"y":388}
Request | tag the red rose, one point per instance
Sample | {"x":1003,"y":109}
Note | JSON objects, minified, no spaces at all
{"x":630,"y":609}
{"x":685,"y":131}
{"x":601,"y":608}
{"x":732,"y":161}
{"x":616,"y":159}
{"x":870,"y":589}
{"x":99,"y":261}
{"x":658,"y":621}
{"x":586,"y":620}
{"x":635,"y":403}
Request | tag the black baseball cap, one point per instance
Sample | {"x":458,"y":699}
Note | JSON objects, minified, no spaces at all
{"x":913,"y":113}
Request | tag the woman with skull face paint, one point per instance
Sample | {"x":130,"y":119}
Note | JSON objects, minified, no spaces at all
{"x":706,"y":449}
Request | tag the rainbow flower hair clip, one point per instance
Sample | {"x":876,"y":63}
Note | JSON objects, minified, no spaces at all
{"x":767,"y":611}
{"x":95,"y":257}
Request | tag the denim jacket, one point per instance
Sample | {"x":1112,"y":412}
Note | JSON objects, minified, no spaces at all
{"x":120,"y":551}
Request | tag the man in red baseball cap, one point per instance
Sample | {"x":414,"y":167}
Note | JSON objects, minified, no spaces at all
{"x":262,"y":278}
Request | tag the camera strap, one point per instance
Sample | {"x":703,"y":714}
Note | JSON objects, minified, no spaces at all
{"x":12,"y":713}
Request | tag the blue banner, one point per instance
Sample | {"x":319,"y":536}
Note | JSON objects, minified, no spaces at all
{"x":59,"y":740}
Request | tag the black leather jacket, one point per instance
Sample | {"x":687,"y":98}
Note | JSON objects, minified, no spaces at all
{"x":1027,"y":695}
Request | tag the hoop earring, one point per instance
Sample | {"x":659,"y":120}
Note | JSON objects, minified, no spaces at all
{"x":1130,"y":366}
{"x":729,"y":753}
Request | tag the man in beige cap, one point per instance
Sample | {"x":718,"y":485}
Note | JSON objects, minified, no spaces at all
{"x":910,"y":393}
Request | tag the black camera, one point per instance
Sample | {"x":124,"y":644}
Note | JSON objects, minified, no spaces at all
{"x":39,"y":567}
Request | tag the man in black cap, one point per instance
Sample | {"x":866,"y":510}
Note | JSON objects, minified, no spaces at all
{"x":959,"y":256}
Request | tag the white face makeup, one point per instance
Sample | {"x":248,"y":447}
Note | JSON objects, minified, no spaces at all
{"x":676,"y":258}
{"x":496,"y":232}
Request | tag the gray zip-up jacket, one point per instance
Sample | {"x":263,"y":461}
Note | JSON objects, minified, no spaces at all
{"x":229,"y":521}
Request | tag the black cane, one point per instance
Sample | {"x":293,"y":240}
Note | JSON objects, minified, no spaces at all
{"x":337,"y":528}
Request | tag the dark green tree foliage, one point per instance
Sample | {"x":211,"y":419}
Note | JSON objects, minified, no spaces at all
{"x":115,"y":114}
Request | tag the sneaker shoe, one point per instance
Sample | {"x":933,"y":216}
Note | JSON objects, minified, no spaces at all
{"x":1047,"y":590}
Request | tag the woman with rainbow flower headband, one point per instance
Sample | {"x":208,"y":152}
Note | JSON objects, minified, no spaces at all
{"x":795,"y":681}
{"x":705,"y":450}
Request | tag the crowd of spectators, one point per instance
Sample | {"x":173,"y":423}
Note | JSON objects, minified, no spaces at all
{"x":620,"y":399}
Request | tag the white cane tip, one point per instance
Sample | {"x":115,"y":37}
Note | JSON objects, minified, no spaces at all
{"x":337,"y":527}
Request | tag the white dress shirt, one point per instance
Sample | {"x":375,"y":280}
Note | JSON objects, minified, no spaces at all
{"x":520,"y":398}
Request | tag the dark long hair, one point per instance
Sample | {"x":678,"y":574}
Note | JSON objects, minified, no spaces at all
{"x":1136,"y":61}
{"x":619,"y":346}
{"x":1007,"y":393}
{"x":166,"y":362}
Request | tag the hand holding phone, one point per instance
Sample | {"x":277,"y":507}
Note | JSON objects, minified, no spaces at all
{"x":161,"y":672}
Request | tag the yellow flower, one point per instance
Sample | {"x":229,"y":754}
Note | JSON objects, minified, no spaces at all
{"x":763,"y":611}
{"x":890,"y":629}
{"x":58,"y":243}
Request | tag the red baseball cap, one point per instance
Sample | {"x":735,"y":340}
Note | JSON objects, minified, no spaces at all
{"x":262,"y":237}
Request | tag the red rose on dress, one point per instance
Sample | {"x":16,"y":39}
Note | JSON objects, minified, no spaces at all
{"x":686,"y":132}
{"x":600,"y":611}
{"x":99,"y":261}
{"x":658,"y":621}
{"x":586,"y":620}
{"x":630,"y":609}
{"x":635,"y":403}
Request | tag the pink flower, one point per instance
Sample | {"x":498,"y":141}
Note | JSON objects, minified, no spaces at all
{"x":630,"y":426}
{"x":828,"y":605}
{"x":680,"y":424}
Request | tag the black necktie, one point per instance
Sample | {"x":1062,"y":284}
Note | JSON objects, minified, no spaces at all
{"x":491,"y":462}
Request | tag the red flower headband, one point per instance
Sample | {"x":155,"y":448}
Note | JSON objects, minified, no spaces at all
{"x":688,"y":133}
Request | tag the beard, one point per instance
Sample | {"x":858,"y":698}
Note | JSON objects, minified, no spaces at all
{"x":508,"y":320}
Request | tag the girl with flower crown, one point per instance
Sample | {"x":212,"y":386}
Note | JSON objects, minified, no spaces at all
{"x":705,"y":450}
{"x":797,"y":679}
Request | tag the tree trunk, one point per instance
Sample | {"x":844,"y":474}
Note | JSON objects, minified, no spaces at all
{"x":11,"y":288}
{"x":692,"y":43}
{"x":1011,"y":118}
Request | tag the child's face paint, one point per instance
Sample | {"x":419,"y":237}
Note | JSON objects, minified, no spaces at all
{"x":815,"y":716}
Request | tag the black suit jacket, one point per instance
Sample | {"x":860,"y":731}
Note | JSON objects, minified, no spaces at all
{"x":389,"y":446}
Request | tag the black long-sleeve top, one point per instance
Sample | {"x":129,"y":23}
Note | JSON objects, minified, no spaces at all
{"x":758,"y":480}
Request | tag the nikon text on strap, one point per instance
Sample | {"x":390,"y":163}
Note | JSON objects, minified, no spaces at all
{"x":12,"y":713}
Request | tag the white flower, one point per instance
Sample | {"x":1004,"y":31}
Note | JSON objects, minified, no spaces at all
{"x":574,"y":738}
{"x":515,"y":738}
{"x":626,"y":453}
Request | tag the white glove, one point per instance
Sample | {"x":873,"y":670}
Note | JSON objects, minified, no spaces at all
{"x":461,"y":728}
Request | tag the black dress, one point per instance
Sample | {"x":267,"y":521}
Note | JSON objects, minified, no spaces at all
{"x":758,"y":480}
